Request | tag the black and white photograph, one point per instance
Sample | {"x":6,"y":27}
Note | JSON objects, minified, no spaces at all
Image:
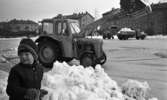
{"x":83,"y":49}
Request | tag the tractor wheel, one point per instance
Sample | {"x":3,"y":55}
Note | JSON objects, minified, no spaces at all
{"x":119,"y":37}
{"x":87,"y":60}
{"x":109,"y":36}
{"x":48,"y":52}
{"x":104,"y":58}
{"x":137,"y":38}
{"x":143,"y":37}
{"x":104,"y":37}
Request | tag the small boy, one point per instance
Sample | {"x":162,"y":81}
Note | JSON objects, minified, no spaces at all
{"x":24,"y":81}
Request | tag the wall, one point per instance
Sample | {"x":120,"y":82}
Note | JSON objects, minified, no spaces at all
{"x":85,"y":20}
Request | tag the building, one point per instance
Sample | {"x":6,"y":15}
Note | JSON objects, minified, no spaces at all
{"x":112,"y":12}
{"x":83,"y":18}
{"x":22,"y":25}
{"x":152,"y":23}
{"x":15,"y":28}
{"x":2,"y":25}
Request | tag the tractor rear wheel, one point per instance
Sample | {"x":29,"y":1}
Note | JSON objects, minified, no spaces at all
{"x":104,"y":58}
{"x":87,"y":60}
{"x":104,"y":37}
{"x":48,"y":52}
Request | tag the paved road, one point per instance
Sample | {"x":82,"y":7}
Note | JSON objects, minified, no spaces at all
{"x":143,"y":60}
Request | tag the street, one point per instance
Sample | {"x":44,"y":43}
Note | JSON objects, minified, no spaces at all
{"x":143,"y":60}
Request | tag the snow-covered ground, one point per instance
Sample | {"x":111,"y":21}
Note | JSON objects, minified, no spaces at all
{"x":148,"y":37}
{"x":99,"y":37}
{"x":143,"y":60}
{"x":17,"y":38}
{"x":157,"y":37}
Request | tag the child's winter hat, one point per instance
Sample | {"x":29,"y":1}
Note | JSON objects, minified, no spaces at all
{"x":28,"y":45}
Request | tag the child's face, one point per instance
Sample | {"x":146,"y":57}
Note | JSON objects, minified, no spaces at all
{"x":26,"y":58}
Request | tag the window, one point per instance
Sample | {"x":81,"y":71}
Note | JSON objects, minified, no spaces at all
{"x":64,"y":30}
{"x":74,"y":28}
{"x":48,"y":27}
{"x":59,"y":28}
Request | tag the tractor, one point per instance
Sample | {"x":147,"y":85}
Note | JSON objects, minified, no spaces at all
{"x":61,"y":40}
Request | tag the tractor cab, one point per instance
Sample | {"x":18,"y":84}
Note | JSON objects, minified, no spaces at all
{"x":65,"y":27}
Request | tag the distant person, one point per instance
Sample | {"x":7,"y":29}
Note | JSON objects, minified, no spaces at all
{"x":24,"y":81}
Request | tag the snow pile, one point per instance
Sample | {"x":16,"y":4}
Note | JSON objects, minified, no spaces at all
{"x":3,"y":84}
{"x":9,"y":56}
{"x":135,"y":89}
{"x":66,"y":82}
{"x":157,"y":37}
{"x":2,"y":59}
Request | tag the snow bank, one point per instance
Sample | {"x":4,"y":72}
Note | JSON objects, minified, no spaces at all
{"x":135,"y":89}
{"x":3,"y":84}
{"x":66,"y":82}
{"x":19,"y":38}
{"x":95,"y":37}
{"x":3,"y":60}
{"x":9,"y":56}
{"x":157,"y":37}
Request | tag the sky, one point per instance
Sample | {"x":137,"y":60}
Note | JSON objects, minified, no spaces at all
{"x":37,"y":10}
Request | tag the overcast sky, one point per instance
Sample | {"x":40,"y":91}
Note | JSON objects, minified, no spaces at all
{"x":40,"y":9}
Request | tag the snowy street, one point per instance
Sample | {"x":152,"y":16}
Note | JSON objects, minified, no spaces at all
{"x":143,"y":60}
